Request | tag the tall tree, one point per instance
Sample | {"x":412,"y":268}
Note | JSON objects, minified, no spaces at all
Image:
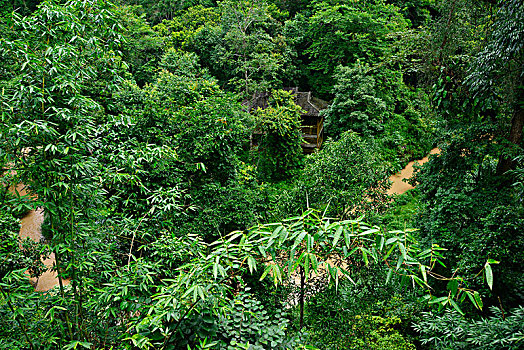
{"x":499,"y":70}
{"x":246,"y":50}
{"x":49,"y":131}
{"x":342,"y":32}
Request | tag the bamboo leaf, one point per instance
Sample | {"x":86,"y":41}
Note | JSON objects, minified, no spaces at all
{"x":391,"y":240}
{"x":251,"y":263}
{"x":277,"y":275}
{"x":266,"y":271}
{"x":306,"y":267}
{"x":379,"y":242}
{"x":347,"y":237}
{"x":364,"y":256}
{"x":478,"y":300}
{"x":424,"y":274}
{"x":456,"y":307}
{"x":388,"y":277}
{"x":453,"y":287}
{"x":489,"y":275}
{"x":284,"y":233}
{"x":399,"y":262}
{"x":314,"y":262}
{"x":201,"y":292}
{"x":338,"y":233}
{"x":299,"y":239}
{"x":439,"y":300}
{"x":403,"y":250}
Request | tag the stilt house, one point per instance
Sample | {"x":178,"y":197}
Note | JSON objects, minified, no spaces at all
{"x":312,"y":125}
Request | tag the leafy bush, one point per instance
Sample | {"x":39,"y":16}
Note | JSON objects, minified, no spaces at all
{"x":378,"y":104}
{"x":211,"y":132}
{"x":356,"y":105}
{"x":401,"y":213}
{"x":219,"y":210}
{"x":346,"y":176}
{"x":363,"y":316}
{"x":18,"y":254}
{"x":280,"y":154}
{"x":247,"y":322}
{"x":453,"y":331}
{"x":468,"y":209}
{"x":342,"y":33}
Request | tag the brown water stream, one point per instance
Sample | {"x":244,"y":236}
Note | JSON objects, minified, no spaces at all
{"x":398,"y":186}
{"x":30,"y":225}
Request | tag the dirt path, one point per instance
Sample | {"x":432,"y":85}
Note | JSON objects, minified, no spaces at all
{"x":399,"y":186}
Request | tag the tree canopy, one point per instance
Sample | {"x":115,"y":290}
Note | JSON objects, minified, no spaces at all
{"x":156,"y":193}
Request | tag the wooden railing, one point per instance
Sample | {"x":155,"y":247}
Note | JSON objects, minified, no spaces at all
{"x":320,"y":132}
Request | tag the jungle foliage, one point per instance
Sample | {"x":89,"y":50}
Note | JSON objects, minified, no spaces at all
{"x":179,"y":217}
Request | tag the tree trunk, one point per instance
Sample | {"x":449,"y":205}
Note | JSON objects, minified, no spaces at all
{"x":515,"y":133}
{"x":302,"y":283}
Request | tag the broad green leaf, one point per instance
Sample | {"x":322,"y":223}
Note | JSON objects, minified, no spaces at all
{"x":338,"y":233}
{"x":310,"y":240}
{"x":222,"y":271}
{"x":423,"y":271}
{"x":364,"y":256}
{"x":379,"y":242}
{"x":369,"y":231}
{"x":252,"y":264}
{"x":453,"y":287}
{"x":299,"y":239}
{"x":439,"y":300}
{"x":234,"y":235}
{"x":283,"y":235}
{"x":215,"y":271}
{"x":201,"y":292}
{"x":388,"y":277}
{"x":314,"y":262}
{"x":347,"y":237}
{"x":391,"y":240}
{"x":266,"y":271}
{"x":424,"y":254}
{"x":489,"y":275}
{"x":389,"y":252}
{"x":277,"y":274}
{"x":475,"y":299}
{"x":277,"y":230}
{"x":75,"y":343}
{"x":262,"y":251}
{"x":456,"y":307}
{"x":403,"y":250}
{"x":478,"y":299}
{"x":306,"y":266}
{"x":419,"y":281}
{"x":399,"y":262}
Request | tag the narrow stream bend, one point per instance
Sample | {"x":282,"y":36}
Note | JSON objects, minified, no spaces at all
{"x":398,"y":186}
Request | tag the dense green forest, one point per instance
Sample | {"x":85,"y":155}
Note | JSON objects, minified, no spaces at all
{"x":154,"y":170}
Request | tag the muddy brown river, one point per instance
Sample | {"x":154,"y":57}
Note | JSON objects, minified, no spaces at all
{"x":30,"y":225}
{"x":398,"y":186}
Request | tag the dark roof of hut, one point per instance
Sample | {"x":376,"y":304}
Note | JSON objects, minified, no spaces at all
{"x":310,"y":104}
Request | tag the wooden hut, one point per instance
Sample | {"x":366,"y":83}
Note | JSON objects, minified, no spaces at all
{"x":312,"y":125}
